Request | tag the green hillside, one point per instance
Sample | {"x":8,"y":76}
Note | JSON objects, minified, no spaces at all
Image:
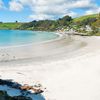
{"x":85,"y":17}
{"x":10,"y":25}
{"x":92,"y":21}
{"x":79,"y":24}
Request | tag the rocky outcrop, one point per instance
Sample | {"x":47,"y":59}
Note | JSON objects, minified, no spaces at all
{"x":24,"y":92}
{"x":35,"y":89}
{"x":5,"y":96}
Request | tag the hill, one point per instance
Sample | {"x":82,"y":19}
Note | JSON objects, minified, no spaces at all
{"x":10,"y":25}
{"x":89,"y":24}
{"x":47,"y":25}
{"x":85,"y":17}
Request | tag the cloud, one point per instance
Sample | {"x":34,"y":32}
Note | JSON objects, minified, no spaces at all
{"x":41,"y":17}
{"x":83,"y":4}
{"x":15,"y":6}
{"x":51,"y":9}
{"x":93,"y":11}
{"x":1,"y":4}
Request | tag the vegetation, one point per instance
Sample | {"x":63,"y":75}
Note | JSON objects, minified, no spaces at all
{"x":84,"y":17}
{"x":39,"y":25}
{"x":93,"y":21}
{"x":9,"y":25}
{"x":47,"y":25}
{"x":89,"y":24}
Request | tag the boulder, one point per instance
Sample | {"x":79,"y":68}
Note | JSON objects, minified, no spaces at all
{"x":5,"y":96}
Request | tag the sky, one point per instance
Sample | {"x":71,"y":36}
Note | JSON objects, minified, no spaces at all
{"x":28,"y":10}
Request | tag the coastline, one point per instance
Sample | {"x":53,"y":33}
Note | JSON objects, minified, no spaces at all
{"x":51,"y":40}
{"x":74,"y":76}
{"x":9,"y":53}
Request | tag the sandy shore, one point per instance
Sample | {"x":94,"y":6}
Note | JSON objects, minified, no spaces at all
{"x":69,"y":72}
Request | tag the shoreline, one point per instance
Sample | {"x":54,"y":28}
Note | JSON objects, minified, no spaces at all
{"x":74,"y":77}
{"x":51,"y":40}
{"x":10,"y":52}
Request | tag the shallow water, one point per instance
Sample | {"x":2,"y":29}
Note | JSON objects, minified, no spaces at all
{"x":19,"y":37}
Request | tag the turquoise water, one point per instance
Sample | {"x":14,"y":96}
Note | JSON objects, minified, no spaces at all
{"x":19,"y":37}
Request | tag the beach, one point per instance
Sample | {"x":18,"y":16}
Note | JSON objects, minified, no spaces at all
{"x":68,"y":70}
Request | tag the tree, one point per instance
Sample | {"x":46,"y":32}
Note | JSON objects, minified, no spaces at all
{"x":65,"y":20}
{"x":16,"y":21}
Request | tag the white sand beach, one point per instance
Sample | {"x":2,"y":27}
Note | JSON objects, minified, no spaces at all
{"x":68,"y":70}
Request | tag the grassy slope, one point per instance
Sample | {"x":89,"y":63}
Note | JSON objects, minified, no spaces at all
{"x":95,"y":24}
{"x":9,"y":25}
{"x":85,"y":17}
{"x":17,"y":25}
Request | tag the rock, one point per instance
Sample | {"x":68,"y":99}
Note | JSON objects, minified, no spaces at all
{"x":26,"y":87}
{"x":21,"y":98}
{"x":36,"y":90}
{"x":5,"y":96}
